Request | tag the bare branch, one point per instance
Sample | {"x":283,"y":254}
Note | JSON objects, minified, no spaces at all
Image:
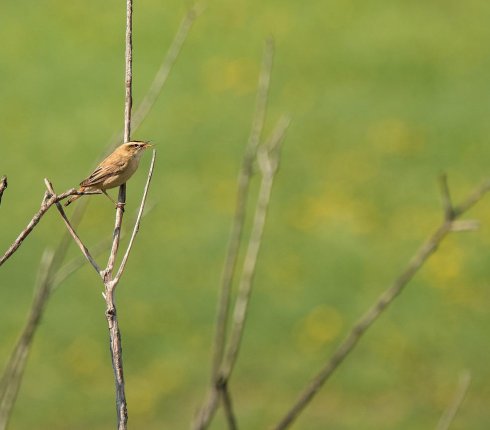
{"x":12,"y":376}
{"x":138,"y":220}
{"x":465,"y":225}
{"x":129,"y":71}
{"x":164,"y":71}
{"x":207,"y":410}
{"x":269,"y":159}
{"x":240,"y":209}
{"x":473,"y":199}
{"x":228,"y":407}
{"x":3,"y":186}
{"x":116,"y":355}
{"x":72,"y":231}
{"x":111,"y":313}
{"x":50,"y":276}
{"x":47,"y":202}
{"x":417,"y":261}
{"x":446,"y":198}
{"x":116,"y":235}
{"x":449,"y":414}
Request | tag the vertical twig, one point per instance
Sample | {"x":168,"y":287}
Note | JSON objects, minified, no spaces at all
{"x":241,"y":204}
{"x":138,"y":220}
{"x":447,"y":203}
{"x":110,"y":285}
{"x":448,"y":416}
{"x":268,"y":160}
{"x":209,"y":407}
{"x":3,"y":186}
{"x":228,"y":407}
{"x":129,"y":71}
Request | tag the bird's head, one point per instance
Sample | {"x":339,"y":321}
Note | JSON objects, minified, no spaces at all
{"x":135,"y":147}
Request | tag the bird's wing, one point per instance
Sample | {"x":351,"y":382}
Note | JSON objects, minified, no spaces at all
{"x":105,"y":170}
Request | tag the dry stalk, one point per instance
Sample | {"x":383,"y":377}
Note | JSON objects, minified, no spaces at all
{"x":450,"y":413}
{"x":3,"y":186}
{"x":50,"y":276}
{"x":428,"y":248}
{"x":211,"y":403}
{"x":12,"y":376}
{"x":47,"y":202}
{"x":244,"y":178}
{"x":268,"y":160}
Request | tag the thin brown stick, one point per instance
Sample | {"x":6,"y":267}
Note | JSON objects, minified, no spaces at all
{"x":363,"y":324}
{"x":46,"y":203}
{"x":241,"y":206}
{"x":450,"y":413}
{"x":163,"y":72}
{"x":72,"y":231}
{"x":50,"y":276}
{"x":268,"y":158}
{"x":110,"y":286}
{"x":447,"y":203}
{"x":12,"y":376}
{"x":129,"y":71}
{"x":228,"y":407}
{"x":138,"y":220}
{"x":3,"y":186}
{"x":210,"y":405}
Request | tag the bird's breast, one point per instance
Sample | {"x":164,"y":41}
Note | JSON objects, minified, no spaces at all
{"x":123,"y":176}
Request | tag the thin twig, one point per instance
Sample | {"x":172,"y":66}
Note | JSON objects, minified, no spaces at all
{"x":241,"y":206}
{"x":450,"y":413}
{"x":61,"y":274}
{"x":446,"y":198}
{"x":210,"y":405}
{"x":72,"y":231}
{"x":138,"y":220}
{"x":129,"y":71}
{"x":3,"y":186}
{"x":12,"y":376}
{"x":164,"y":71}
{"x":46,"y":203}
{"x":116,"y":235}
{"x":363,"y":324}
{"x":50,"y":276}
{"x":228,"y":407}
{"x":268,"y":157}
{"x":110,"y":286}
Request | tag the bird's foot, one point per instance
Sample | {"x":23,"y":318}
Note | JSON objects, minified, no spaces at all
{"x":120,"y":205}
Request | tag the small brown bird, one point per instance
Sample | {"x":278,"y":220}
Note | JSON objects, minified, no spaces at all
{"x":114,"y":170}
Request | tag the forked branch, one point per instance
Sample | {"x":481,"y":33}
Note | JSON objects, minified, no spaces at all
{"x":451,"y":213}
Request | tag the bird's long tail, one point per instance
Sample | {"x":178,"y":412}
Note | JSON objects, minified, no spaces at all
{"x":73,"y":198}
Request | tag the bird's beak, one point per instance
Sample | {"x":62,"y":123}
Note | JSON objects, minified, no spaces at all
{"x":147,"y":145}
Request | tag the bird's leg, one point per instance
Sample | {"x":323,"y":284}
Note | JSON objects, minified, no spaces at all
{"x":118,"y":204}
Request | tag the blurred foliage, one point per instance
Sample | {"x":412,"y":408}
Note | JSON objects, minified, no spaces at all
{"x":384,"y":96}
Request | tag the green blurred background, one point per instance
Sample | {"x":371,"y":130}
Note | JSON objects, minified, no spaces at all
{"x":384,"y":95}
